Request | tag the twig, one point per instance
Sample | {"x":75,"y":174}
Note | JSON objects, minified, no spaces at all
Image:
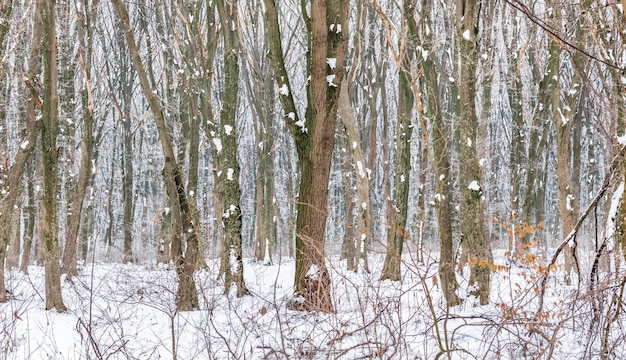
{"x":572,"y":234}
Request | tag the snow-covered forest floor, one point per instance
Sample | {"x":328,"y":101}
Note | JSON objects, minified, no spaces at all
{"x":128,"y":312}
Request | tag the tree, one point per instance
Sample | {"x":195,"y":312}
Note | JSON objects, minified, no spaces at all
{"x":85,"y":32}
{"x":327,"y":26}
{"x":14,"y":173}
{"x":398,"y":233}
{"x":232,"y":264}
{"x":184,"y":259}
{"x":474,"y":240}
{"x":441,"y":146}
{"x":50,"y":123}
{"x":567,"y":116}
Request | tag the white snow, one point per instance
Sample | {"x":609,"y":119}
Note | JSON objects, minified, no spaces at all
{"x":228,"y":129}
{"x":283,"y":90}
{"x":335,"y":27}
{"x":564,"y":119}
{"x":330,"y":78}
{"x":127,"y":311}
{"x":292,"y":115}
{"x":482,"y":162}
{"x":218,"y":144}
{"x":402,"y":178}
{"x":622,"y":139}
{"x":569,"y":205}
{"x":616,"y":199}
{"x":442,"y":176}
{"x":469,"y":142}
{"x":24,"y":144}
{"x":474,"y":186}
{"x":313,"y":272}
{"x":360,"y":169}
{"x":332,"y":63}
{"x":466,"y":35}
{"x":302,"y":125}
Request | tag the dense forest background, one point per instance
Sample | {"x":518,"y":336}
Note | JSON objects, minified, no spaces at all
{"x":172,"y":131}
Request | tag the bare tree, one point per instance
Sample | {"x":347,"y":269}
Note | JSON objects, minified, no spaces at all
{"x":474,"y":240}
{"x":49,"y":132}
{"x":185,"y":258}
{"x":327,"y":27}
{"x":232,"y":264}
{"x":85,"y":31}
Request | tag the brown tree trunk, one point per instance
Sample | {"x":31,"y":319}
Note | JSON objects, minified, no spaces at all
{"x":314,"y":138}
{"x":568,"y":159}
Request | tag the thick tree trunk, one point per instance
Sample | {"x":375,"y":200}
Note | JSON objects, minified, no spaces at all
{"x":127,"y":174}
{"x":314,"y":138}
{"x":474,"y":240}
{"x":229,"y":171}
{"x":49,"y":133}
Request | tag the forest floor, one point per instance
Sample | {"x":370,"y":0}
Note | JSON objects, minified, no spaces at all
{"x":128,"y":312}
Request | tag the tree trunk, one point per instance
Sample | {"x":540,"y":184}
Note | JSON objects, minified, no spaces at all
{"x":516,"y":158}
{"x":314,"y":138}
{"x":349,"y":244}
{"x":474,"y":240}
{"x":50,"y":121}
{"x":398,"y":233}
{"x":185,"y":261}
{"x":229,"y":165}
{"x":441,"y":164}
{"x":87,"y":142}
{"x":566,"y":117}
{"x":29,"y":226}
{"x":364,"y":207}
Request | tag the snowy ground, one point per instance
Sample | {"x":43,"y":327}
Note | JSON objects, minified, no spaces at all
{"x":127,"y":312}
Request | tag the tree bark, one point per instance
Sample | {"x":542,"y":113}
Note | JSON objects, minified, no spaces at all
{"x":398,"y":233}
{"x":441,"y":164}
{"x":474,"y":240}
{"x":314,"y":138}
{"x":50,"y":124}
{"x":364,"y":206}
{"x":185,"y":261}
{"x":87,"y":142}
{"x":229,"y":165}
